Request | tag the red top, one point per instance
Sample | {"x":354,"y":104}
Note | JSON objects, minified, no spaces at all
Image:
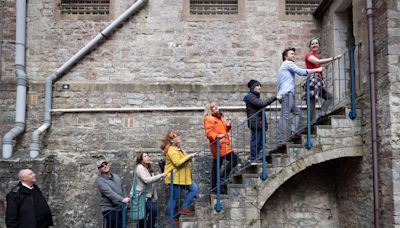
{"x":309,"y":64}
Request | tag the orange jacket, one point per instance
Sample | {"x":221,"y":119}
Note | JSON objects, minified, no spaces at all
{"x":213,"y":127}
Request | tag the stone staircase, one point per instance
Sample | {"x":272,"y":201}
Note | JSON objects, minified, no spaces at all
{"x":335,"y":136}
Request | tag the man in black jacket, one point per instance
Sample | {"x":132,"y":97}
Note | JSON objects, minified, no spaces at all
{"x":253,"y":106}
{"x":26,"y":205}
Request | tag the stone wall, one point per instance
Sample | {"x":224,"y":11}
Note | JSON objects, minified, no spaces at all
{"x":393,"y":62}
{"x":357,"y":188}
{"x":157,"y":58}
{"x":306,"y":200}
{"x":319,"y":197}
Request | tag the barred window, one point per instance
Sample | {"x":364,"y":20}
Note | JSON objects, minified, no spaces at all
{"x":91,"y":7}
{"x":214,"y":7}
{"x":301,"y":7}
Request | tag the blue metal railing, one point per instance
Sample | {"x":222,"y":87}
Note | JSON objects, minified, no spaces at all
{"x":115,"y":218}
{"x":340,"y":78}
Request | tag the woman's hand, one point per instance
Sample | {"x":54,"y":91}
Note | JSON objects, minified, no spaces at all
{"x":338,"y":57}
{"x":192,"y":155}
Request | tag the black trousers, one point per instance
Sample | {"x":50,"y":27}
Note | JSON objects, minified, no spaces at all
{"x":112,"y":218}
{"x":232,"y":159}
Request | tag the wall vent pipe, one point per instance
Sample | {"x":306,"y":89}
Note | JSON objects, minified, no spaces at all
{"x":374,"y":122}
{"x":34,"y":146}
{"x":20,"y":105}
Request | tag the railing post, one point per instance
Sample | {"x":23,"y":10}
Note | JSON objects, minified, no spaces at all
{"x":171,"y":198}
{"x":218,"y":206}
{"x":124,"y":216}
{"x":353,"y":112}
{"x":264,"y":160}
{"x":308,"y":145}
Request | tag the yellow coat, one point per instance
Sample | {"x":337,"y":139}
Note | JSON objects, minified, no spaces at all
{"x":178,"y":161}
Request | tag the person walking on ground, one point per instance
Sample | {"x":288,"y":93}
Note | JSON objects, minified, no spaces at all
{"x":26,"y":205}
{"x":113,"y":196}
{"x":317,"y":80}
{"x":286,"y":92}
{"x":254,"y":117}
{"x":217,"y":128}
{"x":145,"y":181}
{"x":177,"y":162}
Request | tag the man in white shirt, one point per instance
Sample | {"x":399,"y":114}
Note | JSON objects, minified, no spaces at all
{"x":286,"y":91}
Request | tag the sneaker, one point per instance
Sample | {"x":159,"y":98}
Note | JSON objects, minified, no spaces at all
{"x":186,"y":211}
{"x":252,"y":162}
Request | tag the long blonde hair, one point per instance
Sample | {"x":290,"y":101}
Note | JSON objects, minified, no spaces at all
{"x":207,"y":109}
{"x":167,"y":141}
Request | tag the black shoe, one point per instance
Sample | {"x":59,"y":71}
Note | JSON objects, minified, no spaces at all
{"x":281,"y":146}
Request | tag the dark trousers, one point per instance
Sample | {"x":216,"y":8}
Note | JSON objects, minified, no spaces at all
{"x":112,"y":218}
{"x":328,"y":101}
{"x":255,"y":144}
{"x":232,"y":159}
{"x":151,"y":215}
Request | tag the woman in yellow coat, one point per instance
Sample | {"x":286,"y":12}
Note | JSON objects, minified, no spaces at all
{"x":177,"y":161}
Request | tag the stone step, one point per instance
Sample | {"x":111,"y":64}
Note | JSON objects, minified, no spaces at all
{"x":313,"y":138}
{"x":250,"y":179}
{"x":280,"y":160}
{"x":324,"y":131}
{"x":296,"y":151}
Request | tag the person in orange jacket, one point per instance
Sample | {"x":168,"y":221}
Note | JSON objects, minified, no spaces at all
{"x":216,"y":129}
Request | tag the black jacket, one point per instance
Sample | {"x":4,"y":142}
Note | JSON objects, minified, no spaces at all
{"x":253,"y":105}
{"x":27,"y":208}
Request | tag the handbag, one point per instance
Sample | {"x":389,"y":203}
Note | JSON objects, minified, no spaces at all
{"x":138,"y":203}
{"x":161,"y":163}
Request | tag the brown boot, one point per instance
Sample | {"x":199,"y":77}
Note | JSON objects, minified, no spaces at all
{"x":186,"y":211}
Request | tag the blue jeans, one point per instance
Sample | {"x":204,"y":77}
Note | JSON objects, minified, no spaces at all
{"x":151,"y":215}
{"x":191,"y":193}
{"x":255,"y":144}
{"x":288,"y":105}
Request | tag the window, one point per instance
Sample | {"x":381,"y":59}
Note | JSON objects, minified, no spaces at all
{"x":213,"y":7}
{"x":297,"y":10}
{"x":93,"y":7}
{"x":301,"y":7}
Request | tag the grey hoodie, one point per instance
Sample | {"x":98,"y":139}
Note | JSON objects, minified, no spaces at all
{"x":111,"y":190}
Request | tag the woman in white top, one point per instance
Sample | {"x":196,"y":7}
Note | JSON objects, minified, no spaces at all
{"x":145,"y":179}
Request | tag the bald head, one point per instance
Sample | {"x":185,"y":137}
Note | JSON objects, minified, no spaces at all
{"x":27,"y":176}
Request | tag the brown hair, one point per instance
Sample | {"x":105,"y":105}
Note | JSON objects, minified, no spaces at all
{"x":284,"y":53}
{"x":139,"y":160}
{"x":167,"y":141}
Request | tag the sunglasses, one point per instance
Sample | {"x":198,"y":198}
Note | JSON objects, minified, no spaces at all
{"x":102,"y":165}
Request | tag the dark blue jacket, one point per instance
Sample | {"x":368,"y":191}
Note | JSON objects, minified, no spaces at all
{"x":253,"y":105}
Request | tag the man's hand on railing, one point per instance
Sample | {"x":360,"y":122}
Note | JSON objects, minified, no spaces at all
{"x":126,"y":200}
{"x":279,"y":98}
{"x":220,"y":136}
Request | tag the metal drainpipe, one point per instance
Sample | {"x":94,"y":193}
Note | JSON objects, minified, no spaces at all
{"x":21,"y":81}
{"x":374,"y":134}
{"x":34,"y":146}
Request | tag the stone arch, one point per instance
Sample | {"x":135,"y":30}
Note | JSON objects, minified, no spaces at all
{"x":267,"y":188}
